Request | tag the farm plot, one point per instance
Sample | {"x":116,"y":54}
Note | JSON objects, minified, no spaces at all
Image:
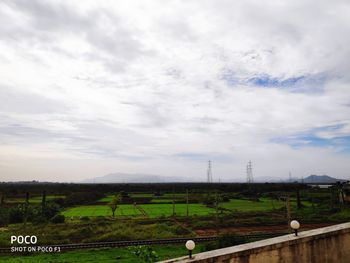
{"x":157,"y":210}
{"x":151,"y":210}
{"x":101,"y":210}
{"x":33,"y":200}
{"x":265,"y":204}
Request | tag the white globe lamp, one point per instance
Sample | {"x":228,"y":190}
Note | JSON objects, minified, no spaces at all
{"x":190,"y":245}
{"x":295,"y":226}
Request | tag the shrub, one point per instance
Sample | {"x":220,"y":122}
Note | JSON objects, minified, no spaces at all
{"x":58,"y":219}
{"x":4,"y":217}
{"x":16,"y":215}
{"x":145,"y":253}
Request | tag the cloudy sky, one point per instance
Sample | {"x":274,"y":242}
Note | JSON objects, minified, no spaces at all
{"x":160,"y":87}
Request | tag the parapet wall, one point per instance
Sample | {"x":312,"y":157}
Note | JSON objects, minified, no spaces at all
{"x":323,"y":245}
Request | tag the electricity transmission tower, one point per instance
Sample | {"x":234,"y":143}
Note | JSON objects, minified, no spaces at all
{"x":249,"y":172}
{"x":209,"y":173}
{"x":290,"y":177}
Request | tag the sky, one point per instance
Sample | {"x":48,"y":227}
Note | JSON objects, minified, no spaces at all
{"x":89,"y":88}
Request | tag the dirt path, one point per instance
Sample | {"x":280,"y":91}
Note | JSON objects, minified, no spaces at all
{"x":256,"y":229}
{"x":142,"y":211}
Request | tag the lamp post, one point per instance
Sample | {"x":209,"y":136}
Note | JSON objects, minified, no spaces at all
{"x":190,"y":245}
{"x":295,"y":226}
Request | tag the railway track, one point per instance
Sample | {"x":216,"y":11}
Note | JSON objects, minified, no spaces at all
{"x":64,"y":247}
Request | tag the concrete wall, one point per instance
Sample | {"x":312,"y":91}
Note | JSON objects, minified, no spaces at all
{"x":329,"y":244}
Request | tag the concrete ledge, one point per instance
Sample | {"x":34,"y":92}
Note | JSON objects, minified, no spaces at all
{"x":328,"y":244}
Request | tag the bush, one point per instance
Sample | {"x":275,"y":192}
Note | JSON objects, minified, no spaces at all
{"x":226,"y":240}
{"x":182,"y":231}
{"x":16,"y":215}
{"x":51,"y":209}
{"x":58,"y":219}
{"x":145,"y":253}
{"x":4,"y":217}
{"x":39,"y":219}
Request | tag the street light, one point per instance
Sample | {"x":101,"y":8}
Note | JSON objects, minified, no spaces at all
{"x":295,"y":226}
{"x":190,"y":245}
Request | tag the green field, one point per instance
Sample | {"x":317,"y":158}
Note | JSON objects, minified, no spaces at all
{"x":33,"y":200}
{"x":101,"y":210}
{"x":157,"y":210}
{"x":152,"y":210}
{"x":155,"y":199}
{"x":111,"y":255}
{"x":162,"y":207}
{"x":264,"y":204}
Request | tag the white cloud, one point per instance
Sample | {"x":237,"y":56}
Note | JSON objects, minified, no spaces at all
{"x":150,"y":86}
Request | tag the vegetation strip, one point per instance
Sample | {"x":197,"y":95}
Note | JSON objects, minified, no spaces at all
{"x":146,"y":242}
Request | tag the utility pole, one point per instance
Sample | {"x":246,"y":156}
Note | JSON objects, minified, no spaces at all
{"x":173,"y":202}
{"x":288,"y":212}
{"x":217,"y":212}
{"x":43,"y":203}
{"x":26,"y":205}
{"x":290,"y":177}
{"x":187,"y":202}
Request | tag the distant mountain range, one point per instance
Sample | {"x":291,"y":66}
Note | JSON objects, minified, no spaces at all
{"x":134,"y":178}
{"x":311,"y":179}
{"x":150,"y":178}
{"x":321,"y":179}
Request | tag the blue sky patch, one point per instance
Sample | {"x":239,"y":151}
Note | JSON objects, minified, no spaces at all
{"x":301,"y":84}
{"x":310,"y":139}
{"x":267,"y":81}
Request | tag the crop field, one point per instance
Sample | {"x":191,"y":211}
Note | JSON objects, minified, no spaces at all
{"x":264,"y":204}
{"x":155,"y":199}
{"x":152,"y":210}
{"x":163,"y":207}
{"x":101,"y":210}
{"x":157,"y":210}
{"x":33,"y":200}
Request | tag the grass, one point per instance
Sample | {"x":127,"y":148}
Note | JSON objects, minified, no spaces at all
{"x":158,"y":201}
{"x":141,"y":195}
{"x":94,"y":230}
{"x":265,"y":204}
{"x":33,"y":200}
{"x":101,"y":210}
{"x":122,"y":255}
{"x":152,"y":210}
{"x":169,"y":197}
{"x":157,"y":210}
{"x":163,"y":207}
{"x":106,"y":199}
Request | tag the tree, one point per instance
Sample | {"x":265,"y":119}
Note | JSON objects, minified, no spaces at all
{"x":26,"y":205}
{"x":2,"y":201}
{"x":58,"y":219}
{"x":114,"y":203}
{"x":43,"y":202}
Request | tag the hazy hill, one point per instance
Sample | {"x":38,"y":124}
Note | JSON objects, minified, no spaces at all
{"x":321,"y":179}
{"x":133,"y":178}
